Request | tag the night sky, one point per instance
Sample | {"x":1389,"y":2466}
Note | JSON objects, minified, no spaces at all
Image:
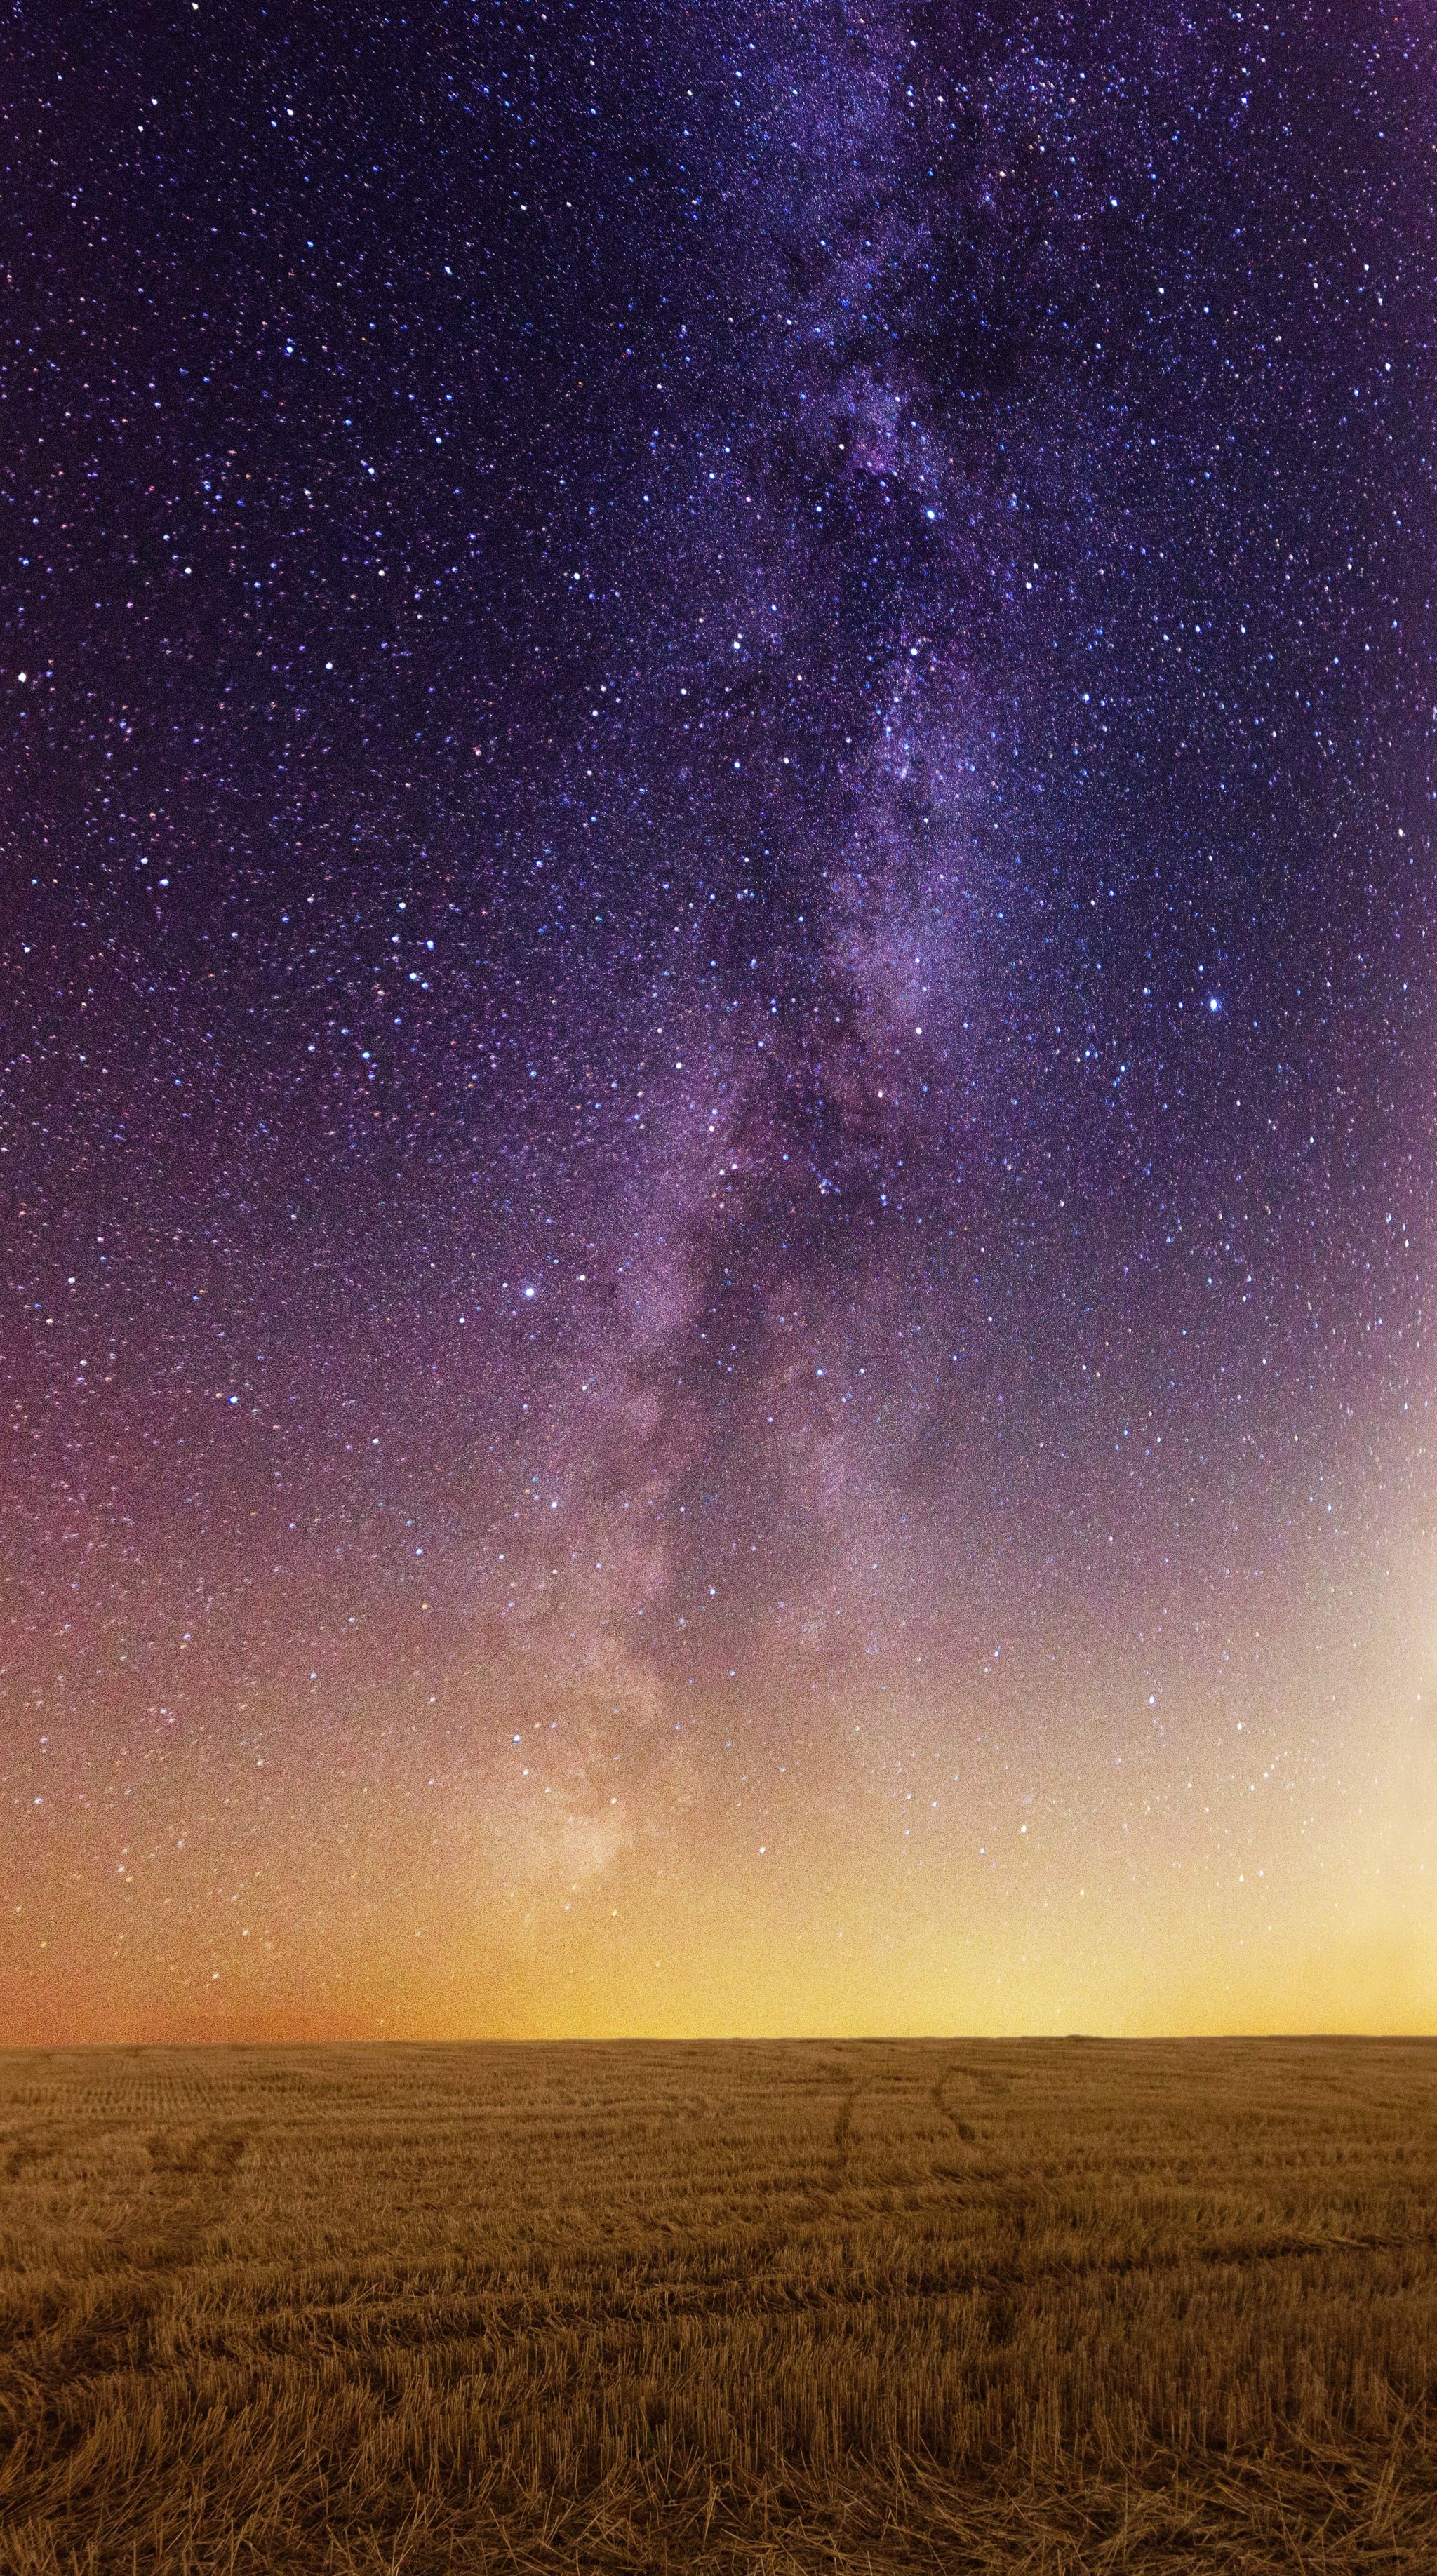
{"x":716,"y":1072}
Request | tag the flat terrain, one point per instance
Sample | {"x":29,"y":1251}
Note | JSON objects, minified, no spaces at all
{"x":1044,"y":2305}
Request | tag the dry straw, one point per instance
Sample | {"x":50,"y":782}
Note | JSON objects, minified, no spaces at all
{"x":1040,"y":2306}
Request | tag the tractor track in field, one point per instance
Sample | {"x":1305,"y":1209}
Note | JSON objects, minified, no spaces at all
{"x":181,"y":2192}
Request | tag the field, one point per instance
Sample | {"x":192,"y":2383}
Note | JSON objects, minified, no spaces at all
{"x":863,"y":2305}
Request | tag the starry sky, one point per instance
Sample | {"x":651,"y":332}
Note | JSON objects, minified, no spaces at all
{"x":716,"y":1070}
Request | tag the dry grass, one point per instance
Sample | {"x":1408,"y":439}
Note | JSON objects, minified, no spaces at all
{"x":1050,"y":2306}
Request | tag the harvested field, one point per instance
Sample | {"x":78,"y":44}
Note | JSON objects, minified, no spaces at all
{"x":873,"y":2306}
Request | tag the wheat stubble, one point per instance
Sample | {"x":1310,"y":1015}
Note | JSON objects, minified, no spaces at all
{"x":872,"y":2305}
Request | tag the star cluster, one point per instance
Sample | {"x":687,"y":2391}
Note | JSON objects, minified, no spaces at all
{"x":716,"y":1065}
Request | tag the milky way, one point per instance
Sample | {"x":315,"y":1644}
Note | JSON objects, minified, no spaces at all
{"x":716,"y":1062}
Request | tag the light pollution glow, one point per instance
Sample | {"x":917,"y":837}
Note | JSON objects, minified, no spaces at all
{"x":717,"y":1071}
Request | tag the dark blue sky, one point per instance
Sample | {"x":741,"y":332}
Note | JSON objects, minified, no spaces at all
{"x":717,"y":1020}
